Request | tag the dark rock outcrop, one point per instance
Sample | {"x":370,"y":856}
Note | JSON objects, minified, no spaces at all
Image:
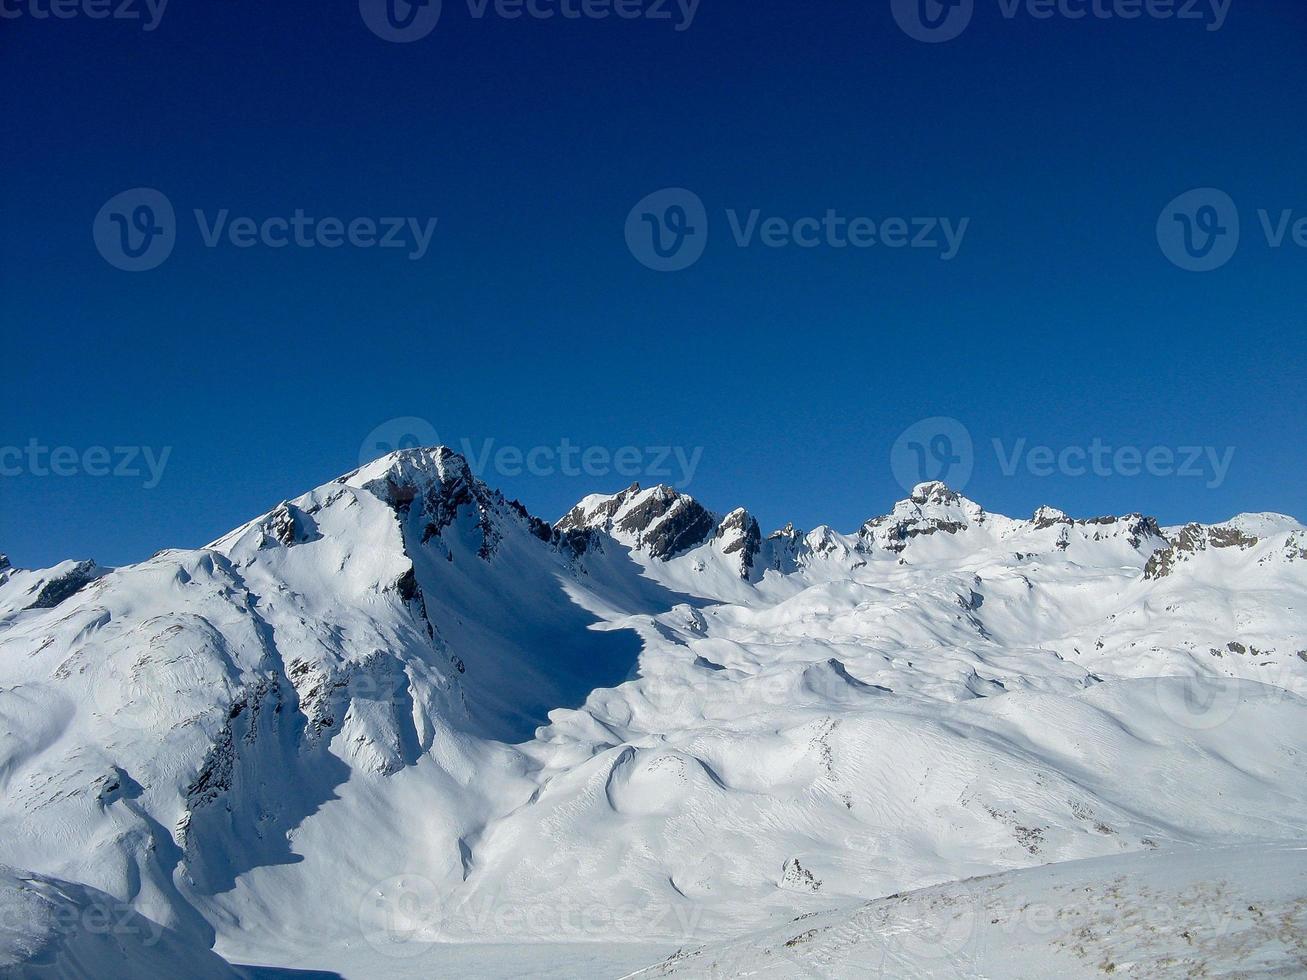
{"x":660,"y":521}
{"x":740,"y":535}
{"x":667,"y":522}
{"x":67,"y":585}
{"x":1191,"y":539}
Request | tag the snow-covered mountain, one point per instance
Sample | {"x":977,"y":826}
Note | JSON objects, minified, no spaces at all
{"x":400,"y":712}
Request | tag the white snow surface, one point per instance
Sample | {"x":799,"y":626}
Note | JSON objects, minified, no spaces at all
{"x":1235,"y":911}
{"x":397,"y":726}
{"x":60,"y":930}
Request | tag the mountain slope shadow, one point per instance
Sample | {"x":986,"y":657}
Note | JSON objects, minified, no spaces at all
{"x":239,"y":812}
{"x":526,"y":628}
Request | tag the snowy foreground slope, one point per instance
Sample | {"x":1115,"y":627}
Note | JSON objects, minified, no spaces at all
{"x":56,"y":929}
{"x":400,"y":726}
{"x":1238,"y":911}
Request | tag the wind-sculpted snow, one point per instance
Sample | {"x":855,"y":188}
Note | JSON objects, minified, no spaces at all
{"x":1238,"y":911}
{"x":65,"y":931}
{"x":399,"y":711}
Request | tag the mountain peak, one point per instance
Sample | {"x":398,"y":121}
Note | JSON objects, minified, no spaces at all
{"x":412,"y":467}
{"x":738,"y":535}
{"x":934,"y":492}
{"x":938,"y":501}
{"x":1048,"y":516}
{"x":1264,"y":524}
{"x":660,"y":521}
{"x":931,"y":508}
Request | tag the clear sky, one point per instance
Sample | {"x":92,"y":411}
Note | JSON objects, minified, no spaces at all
{"x":1058,"y":322}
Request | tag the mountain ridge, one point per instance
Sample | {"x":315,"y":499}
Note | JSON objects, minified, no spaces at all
{"x":526,"y":716}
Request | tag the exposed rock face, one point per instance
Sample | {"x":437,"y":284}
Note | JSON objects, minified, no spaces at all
{"x":932,"y":508}
{"x":597,"y":511}
{"x":575,"y":542}
{"x":288,"y":525}
{"x":894,"y":535}
{"x":786,"y":549}
{"x":1295,"y":548}
{"x":936,"y":493}
{"x":1049,"y":517}
{"x":795,"y":875}
{"x":1191,"y":539}
{"x":667,"y":522}
{"x":738,"y":534}
{"x":664,"y":523}
{"x":439,"y":491}
{"x":660,"y":521}
{"x":825,"y":542}
{"x":4,"y":562}
{"x":57,"y":589}
{"x":439,"y":483}
{"x":1136,"y":529}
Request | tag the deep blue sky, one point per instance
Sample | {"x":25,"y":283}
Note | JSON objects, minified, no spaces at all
{"x":1060,"y":321}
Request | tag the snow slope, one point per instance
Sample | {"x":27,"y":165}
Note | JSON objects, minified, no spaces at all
{"x":1237,"y":911}
{"x":56,"y":929}
{"x":400,"y":712}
